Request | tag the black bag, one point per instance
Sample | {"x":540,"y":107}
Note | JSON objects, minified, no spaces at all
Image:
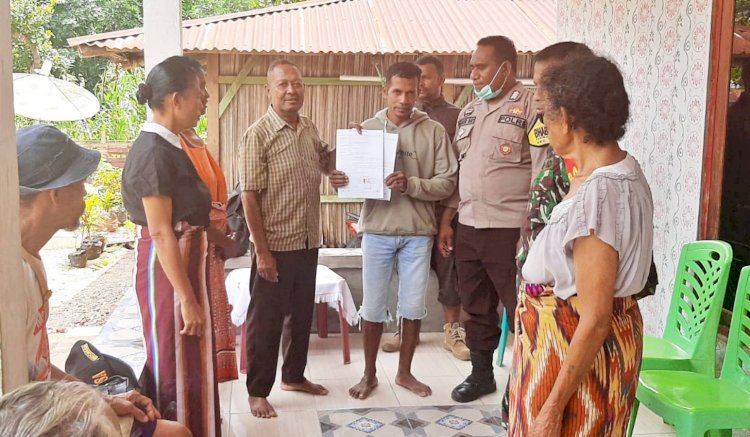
{"x":236,"y":219}
{"x":106,"y":373}
{"x":653,"y":280}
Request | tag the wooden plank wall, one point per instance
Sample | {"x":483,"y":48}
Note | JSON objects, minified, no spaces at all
{"x":330,"y":108}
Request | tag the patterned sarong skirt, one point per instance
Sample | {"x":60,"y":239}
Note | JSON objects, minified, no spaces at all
{"x":601,"y":406}
{"x":180,"y":371}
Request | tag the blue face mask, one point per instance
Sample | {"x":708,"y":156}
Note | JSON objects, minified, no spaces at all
{"x":486,"y":92}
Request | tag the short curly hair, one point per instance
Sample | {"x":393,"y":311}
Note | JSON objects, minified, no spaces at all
{"x":593,"y":94}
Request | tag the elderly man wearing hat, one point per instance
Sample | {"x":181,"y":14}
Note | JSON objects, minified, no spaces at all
{"x":52,"y":170}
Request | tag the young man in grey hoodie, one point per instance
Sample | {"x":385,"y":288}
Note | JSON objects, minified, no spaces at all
{"x":399,"y":233}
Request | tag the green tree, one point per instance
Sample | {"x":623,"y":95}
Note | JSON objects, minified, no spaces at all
{"x":72,"y":18}
{"x":31,"y":37}
{"x":742,"y":12}
{"x":207,"y":8}
{"x":120,"y":117}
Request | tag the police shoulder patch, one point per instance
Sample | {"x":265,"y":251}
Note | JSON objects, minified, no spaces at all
{"x":514,"y":96}
{"x":538,"y":135}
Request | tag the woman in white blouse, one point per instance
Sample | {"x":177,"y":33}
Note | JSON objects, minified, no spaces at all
{"x":579,"y":337}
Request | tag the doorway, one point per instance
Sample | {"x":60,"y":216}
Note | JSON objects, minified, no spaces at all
{"x":726,"y":177}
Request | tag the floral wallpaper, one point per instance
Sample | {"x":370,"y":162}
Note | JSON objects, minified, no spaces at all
{"x":662,"y":48}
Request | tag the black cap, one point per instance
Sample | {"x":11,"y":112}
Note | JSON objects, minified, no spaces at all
{"x":49,"y":159}
{"x":86,"y":363}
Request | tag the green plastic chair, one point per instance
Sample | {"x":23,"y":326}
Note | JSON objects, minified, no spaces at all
{"x":699,"y":403}
{"x":689,"y":341}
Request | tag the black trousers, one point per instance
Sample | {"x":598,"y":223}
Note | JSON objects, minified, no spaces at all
{"x":486,"y":267}
{"x":280,"y":307}
{"x":445,"y":270}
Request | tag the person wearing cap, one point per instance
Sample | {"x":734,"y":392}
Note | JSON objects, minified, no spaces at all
{"x":496,"y":161}
{"x":52,"y":170}
{"x":166,"y":198}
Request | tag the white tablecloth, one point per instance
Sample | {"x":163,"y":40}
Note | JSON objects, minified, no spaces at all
{"x":330,"y":288}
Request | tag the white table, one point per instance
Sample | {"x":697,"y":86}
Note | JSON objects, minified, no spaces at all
{"x":331,"y":290}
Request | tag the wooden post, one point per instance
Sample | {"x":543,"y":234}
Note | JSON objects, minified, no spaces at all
{"x":13,"y":365}
{"x":212,"y":112}
{"x":720,"y":63}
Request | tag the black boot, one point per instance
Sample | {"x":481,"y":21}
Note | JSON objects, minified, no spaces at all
{"x":480,"y":382}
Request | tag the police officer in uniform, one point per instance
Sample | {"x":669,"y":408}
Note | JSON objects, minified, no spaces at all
{"x":496,"y":165}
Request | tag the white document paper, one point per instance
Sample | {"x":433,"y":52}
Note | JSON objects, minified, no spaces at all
{"x":360,"y":156}
{"x":390,"y":145}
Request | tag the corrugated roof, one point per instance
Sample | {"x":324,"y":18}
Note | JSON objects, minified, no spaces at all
{"x":356,"y":26}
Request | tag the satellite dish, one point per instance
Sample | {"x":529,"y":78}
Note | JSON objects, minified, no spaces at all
{"x":45,"y":98}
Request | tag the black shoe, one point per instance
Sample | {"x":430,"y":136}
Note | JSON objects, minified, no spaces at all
{"x":472,"y":388}
{"x":480,"y":382}
{"x":505,"y":407}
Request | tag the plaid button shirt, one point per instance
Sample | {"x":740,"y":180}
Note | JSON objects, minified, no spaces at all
{"x":283,"y":164}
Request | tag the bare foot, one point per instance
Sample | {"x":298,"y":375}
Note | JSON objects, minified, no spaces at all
{"x":409,"y":382}
{"x":364,"y":388}
{"x":261,"y":408}
{"x":306,"y":387}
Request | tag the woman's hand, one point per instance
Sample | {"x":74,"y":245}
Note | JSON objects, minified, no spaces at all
{"x":192,"y":317}
{"x":547,"y":424}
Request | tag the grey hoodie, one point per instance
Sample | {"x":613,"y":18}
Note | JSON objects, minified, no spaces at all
{"x":429,"y":162}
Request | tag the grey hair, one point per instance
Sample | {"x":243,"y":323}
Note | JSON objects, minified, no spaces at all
{"x":46,"y":409}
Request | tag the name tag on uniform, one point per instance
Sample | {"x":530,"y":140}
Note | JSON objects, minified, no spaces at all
{"x":466,"y":121}
{"x":512,"y":119}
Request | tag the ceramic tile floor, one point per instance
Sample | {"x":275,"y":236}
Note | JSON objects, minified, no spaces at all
{"x":391,"y":410}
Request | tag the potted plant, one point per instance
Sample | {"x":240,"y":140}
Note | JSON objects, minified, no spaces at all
{"x":78,"y":258}
{"x":92,"y":217}
{"x":108,"y":183}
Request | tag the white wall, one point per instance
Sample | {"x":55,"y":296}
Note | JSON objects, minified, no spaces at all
{"x":662,"y":48}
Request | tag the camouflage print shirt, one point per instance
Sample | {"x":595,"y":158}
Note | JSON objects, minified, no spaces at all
{"x":548,"y":189}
